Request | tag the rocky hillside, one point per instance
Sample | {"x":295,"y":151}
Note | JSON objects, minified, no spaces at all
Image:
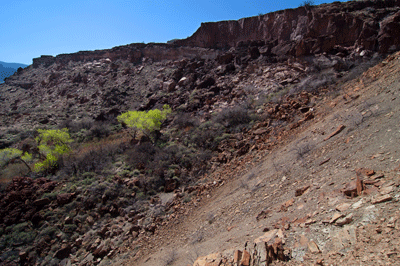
{"x":236,"y":89}
{"x":7,"y":69}
{"x":327,"y":194}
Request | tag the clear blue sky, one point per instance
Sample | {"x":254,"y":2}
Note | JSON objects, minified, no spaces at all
{"x":31,"y":28}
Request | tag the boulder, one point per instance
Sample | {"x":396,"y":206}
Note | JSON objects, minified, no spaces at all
{"x":63,"y":252}
{"x":41,"y":202}
{"x":65,"y":198}
{"x":102,"y":250}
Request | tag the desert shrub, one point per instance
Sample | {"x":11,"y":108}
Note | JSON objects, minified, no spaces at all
{"x":18,"y":234}
{"x":111,"y":193}
{"x":233,"y":117}
{"x":50,"y":195}
{"x":224,"y":136}
{"x":205,"y":135}
{"x":184,"y":120}
{"x":152,"y":183}
{"x":125,"y":173}
{"x":314,"y":83}
{"x":13,"y":136}
{"x":302,"y":149}
{"x":88,"y":175}
{"x":13,"y":170}
{"x":93,"y":158}
{"x":175,"y":154}
{"x":203,"y":156}
{"x":70,"y":206}
{"x":87,"y":181}
{"x":99,"y":130}
{"x":50,"y":216}
{"x":76,"y":126}
{"x":141,"y":155}
{"x":187,"y":198}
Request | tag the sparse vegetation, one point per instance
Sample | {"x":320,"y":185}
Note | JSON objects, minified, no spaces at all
{"x":308,"y":3}
{"x":8,"y":155}
{"x":115,"y":176}
{"x":302,"y":149}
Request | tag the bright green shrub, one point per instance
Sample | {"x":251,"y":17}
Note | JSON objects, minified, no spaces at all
{"x":52,"y":144}
{"x":145,"y":122}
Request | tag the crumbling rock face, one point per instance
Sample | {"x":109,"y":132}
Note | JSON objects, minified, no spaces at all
{"x":371,"y":25}
{"x":134,"y":53}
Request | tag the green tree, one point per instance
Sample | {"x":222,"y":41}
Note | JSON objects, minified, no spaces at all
{"x":52,"y":144}
{"x":145,"y":122}
{"x":8,"y":155}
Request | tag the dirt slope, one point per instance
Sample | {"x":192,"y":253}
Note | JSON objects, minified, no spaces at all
{"x":225,"y":217}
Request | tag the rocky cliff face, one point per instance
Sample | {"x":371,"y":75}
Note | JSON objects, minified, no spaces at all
{"x":371,"y":25}
{"x":331,"y":28}
{"x":215,"y":62}
{"x":133,"y":52}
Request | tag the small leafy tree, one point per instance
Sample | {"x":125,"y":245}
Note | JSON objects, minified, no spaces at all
{"x":145,"y":122}
{"x":8,"y":155}
{"x":52,"y":144}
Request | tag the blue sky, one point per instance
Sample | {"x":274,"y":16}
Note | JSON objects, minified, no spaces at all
{"x":30,"y":29}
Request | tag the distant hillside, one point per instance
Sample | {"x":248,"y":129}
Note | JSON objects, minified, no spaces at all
{"x":7,"y":69}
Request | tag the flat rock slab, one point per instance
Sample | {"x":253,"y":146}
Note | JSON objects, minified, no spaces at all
{"x":382,"y":199}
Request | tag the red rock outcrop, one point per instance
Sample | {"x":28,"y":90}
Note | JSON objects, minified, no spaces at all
{"x":371,"y":25}
{"x":135,"y":52}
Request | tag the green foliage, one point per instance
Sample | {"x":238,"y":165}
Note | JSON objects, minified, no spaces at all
{"x":18,"y":234}
{"x":145,"y":122}
{"x":52,"y":144}
{"x":9,"y":154}
{"x":48,"y":231}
